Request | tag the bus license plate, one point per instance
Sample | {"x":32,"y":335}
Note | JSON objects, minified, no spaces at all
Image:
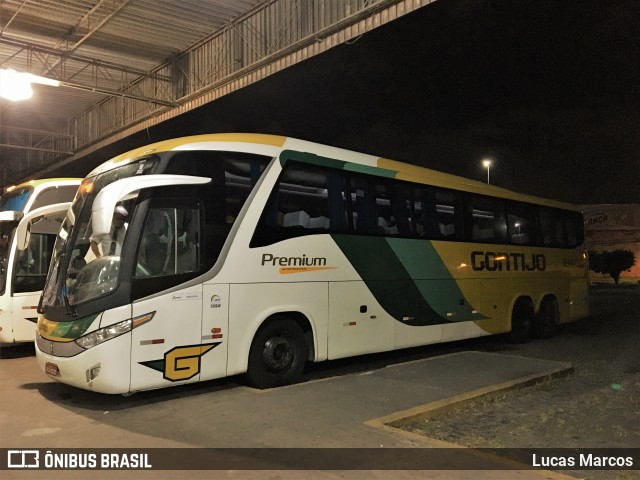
{"x":52,"y":369}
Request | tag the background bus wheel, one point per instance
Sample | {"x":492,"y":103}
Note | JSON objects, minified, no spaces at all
{"x":278,"y":354}
{"x":548,"y":319}
{"x":521,"y":322}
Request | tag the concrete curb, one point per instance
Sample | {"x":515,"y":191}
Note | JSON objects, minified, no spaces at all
{"x":394,"y":422}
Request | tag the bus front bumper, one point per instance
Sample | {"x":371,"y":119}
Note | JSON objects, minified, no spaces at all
{"x":104,"y":368}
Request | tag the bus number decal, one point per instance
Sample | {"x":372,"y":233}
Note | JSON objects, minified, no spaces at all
{"x":181,"y":363}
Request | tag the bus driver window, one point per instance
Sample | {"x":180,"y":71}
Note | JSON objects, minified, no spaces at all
{"x":169,"y":243}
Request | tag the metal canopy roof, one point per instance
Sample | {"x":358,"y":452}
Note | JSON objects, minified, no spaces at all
{"x":125,"y":65}
{"x":98,"y":46}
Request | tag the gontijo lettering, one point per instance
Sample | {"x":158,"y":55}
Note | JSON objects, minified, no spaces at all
{"x":502,"y":261}
{"x":303,"y":261}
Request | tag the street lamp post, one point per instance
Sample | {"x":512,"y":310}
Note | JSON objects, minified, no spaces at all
{"x":487,"y":164}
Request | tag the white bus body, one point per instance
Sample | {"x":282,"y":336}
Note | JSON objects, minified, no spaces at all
{"x":30,"y":218}
{"x":257,"y":253}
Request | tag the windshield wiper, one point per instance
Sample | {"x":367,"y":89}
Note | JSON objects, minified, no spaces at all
{"x":71,"y":312}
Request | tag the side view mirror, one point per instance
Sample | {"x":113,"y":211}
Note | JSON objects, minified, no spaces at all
{"x":109,"y":196}
{"x":41,"y":220}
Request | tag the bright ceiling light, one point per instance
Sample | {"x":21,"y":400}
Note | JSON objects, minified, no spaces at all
{"x":13,"y":86}
{"x":16,"y":86}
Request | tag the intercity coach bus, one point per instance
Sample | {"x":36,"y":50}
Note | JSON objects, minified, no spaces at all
{"x":248,"y":253}
{"x":30,"y":216}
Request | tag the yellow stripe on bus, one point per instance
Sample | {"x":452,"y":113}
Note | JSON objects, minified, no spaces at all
{"x":289,"y":270}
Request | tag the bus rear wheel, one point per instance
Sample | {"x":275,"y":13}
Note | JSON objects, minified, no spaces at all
{"x":521,"y":322}
{"x":548,"y":319}
{"x":278,"y":354}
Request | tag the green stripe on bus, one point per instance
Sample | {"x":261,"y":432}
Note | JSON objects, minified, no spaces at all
{"x":423,"y":261}
{"x":408,"y":279}
{"x":311,"y":159}
{"x":74,"y":329}
{"x":388,"y":280}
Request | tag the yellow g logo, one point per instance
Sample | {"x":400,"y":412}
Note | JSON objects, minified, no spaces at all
{"x":181,"y":363}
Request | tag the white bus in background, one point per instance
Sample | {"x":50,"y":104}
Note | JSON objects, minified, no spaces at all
{"x":30,"y":217}
{"x":256,"y":253}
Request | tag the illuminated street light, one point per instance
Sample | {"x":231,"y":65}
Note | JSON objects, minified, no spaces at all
{"x":16,"y":86}
{"x":487,"y":164}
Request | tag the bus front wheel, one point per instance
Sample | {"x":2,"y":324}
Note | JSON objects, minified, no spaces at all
{"x":278,"y":354}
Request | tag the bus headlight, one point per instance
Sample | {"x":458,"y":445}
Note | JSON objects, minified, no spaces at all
{"x":104,"y":334}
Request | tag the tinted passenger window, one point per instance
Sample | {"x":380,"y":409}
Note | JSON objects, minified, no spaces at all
{"x":437,"y":213}
{"x":560,"y":228}
{"x":488,"y":224}
{"x":521,"y":224}
{"x":306,"y":200}
{"x":380,"y":207}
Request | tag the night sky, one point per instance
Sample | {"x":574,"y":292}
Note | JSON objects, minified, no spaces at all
{"x":550,"y":90}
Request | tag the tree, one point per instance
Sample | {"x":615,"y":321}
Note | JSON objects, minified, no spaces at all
{"x":612,"y":263}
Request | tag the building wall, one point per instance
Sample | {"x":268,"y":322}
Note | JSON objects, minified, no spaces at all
{"x":614,"y":227}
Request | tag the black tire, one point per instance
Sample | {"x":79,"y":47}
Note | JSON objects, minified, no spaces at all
{"x":521,"y":322}
{"x":278,"y":354}
{"x":548,"y":319}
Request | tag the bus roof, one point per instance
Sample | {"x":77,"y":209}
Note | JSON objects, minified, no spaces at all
{"x":418,"y":174}
{"x":45,"y":181}
{"x":393,"y":168}
{"x":182,"y":142}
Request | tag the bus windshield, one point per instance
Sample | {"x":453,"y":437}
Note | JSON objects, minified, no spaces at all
{"x":179,"y":234}
{"x":83,"y":265}
{"x":13,"y":201}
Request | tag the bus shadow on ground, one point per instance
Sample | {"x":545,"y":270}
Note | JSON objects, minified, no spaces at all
{"x":19,"y":350}
{"x":78,"y":399}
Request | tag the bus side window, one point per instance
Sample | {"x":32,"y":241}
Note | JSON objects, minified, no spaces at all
{"x":306,"y":200}
{"x":448,"y":213}
{"x":560,"y":228}
{"x":521,"y":224}
{"x":488,"y":223}
{"x":547,"y":232}
{"x":169,"y":243}
{"x":426,"y":214}
{"x":393,"y":207}
{"x":363,"y":201}
{"x":32,"y":264}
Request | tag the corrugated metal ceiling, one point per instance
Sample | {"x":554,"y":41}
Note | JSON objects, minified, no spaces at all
{"x":128,"y":34}
{"x":126,"y":65}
